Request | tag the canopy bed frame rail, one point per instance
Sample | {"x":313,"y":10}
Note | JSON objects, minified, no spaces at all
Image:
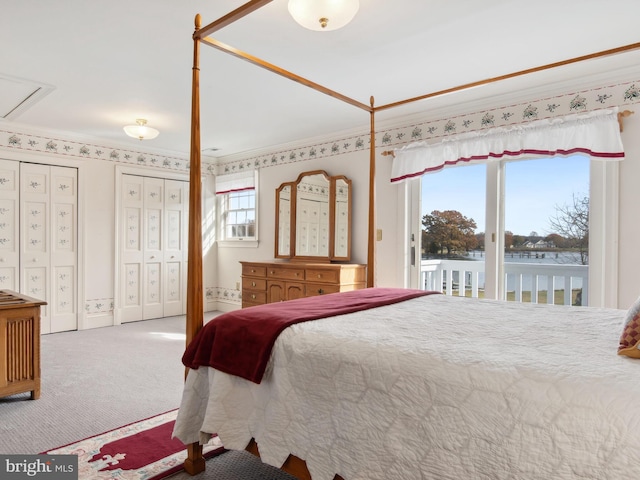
{"x":195,"y":462}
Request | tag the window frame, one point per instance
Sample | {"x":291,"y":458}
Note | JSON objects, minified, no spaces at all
{"x":603,"y":231}
{"x":222,"y":202}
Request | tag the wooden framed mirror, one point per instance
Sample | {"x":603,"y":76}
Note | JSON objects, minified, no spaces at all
{"x":313,"y":218}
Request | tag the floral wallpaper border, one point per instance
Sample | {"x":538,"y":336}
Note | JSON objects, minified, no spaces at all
{"x":227,"y":295}
{"x":71,"y":148}
{"x":619,"y":95}
{"x":99,"y":306}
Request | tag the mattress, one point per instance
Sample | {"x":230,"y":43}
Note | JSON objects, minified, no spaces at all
{"x":436,"y":387}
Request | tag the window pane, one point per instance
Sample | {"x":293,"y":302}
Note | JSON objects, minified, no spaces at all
{"x":546,"y":230}
{"x":239,"y":212}
{"x":453,"y":219}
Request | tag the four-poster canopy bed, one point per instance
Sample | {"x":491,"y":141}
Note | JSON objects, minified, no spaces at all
{"x":195,"y":462}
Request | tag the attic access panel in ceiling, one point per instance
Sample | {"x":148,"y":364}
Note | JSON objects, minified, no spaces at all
{"x":19,"y":94}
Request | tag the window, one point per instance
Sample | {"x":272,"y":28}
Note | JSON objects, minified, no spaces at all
{"x":546,"y":230}
{"x":541,"y":211}
{"x":238,"y":215}
{"x":595,"y":135}
{"x":236,"y":197}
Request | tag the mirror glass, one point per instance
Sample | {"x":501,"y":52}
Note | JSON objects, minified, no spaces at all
{"x":313,"y":218}
{"x":283,"y":220}
{"x":342,"y":220}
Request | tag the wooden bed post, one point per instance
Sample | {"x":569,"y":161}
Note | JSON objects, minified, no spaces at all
{"x":372,"y":198}
{"x":195,"y":309}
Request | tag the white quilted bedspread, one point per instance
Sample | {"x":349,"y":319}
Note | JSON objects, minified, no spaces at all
{"x":436,"y":388}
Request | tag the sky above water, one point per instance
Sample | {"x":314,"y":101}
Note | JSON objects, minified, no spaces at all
{"x":533,"y":189}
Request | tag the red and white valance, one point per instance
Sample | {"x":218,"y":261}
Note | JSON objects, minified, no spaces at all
{"x":596,"y":134}
{"x":235,"y":182}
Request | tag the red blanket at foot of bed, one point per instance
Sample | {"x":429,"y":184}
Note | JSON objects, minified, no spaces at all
{"x":240,"y":342}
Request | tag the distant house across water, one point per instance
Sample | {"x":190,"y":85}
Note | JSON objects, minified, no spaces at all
{"x":538,"y":242}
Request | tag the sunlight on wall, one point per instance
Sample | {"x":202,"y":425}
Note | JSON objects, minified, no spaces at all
{"x":208,"y":231}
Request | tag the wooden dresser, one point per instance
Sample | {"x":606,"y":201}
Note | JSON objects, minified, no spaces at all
{"x":268,"y":282}
{"x":19,"y":344}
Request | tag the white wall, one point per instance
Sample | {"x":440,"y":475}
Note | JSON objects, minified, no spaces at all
{"x":353,"y":165}
{"x":96,"y":180}
{"x":629,"y":230}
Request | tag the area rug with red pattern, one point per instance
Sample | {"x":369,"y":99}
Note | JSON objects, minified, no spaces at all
{"x":142,"y":450}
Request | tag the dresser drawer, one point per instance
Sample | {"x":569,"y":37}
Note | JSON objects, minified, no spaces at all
{"x":254,"y":271}
{"x":250,"y":283}
{"x":313,"y":289}
{"x":254,"y":298}
{"x":285,"y":273}
{"x":321,"y":275}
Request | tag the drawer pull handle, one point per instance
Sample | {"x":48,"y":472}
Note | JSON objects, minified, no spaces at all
{"x":320,"y":291}
{"x":319,"y":275}
{"x":253,"y":296}
{"x":297,"y":273}
{"x":272,"y":272}
{"x":253,"y":284}
{"x":253,"y":271}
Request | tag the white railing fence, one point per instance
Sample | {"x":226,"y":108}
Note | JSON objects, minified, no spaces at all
{"x":525,"y":282}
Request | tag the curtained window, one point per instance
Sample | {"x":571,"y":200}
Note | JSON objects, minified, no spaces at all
{"x":595,"y":134}
{"x":237,"y":206}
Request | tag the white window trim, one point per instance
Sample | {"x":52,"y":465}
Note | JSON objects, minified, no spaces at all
{"x":603,"y":232}
{"x":240,"y":242}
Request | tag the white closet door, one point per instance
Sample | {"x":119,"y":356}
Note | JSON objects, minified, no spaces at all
{"x":35,"y":225}
{"x":132,"y":247}
{"x":154,"y":248}
{"x":64,"y":249}
{"x":9,"y":225}
{"x":153,"y":278}
{"x":49,"y":242}
{"x":175,"y":212}
{"x":39,"y":238}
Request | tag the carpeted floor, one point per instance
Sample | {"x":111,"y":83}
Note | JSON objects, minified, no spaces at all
{"x":100,"y":379}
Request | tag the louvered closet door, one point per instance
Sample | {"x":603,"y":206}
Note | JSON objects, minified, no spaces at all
{"x":48,"y":232}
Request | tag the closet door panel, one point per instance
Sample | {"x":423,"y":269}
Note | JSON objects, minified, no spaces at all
{"x":132,"y":248}
{"x":35,"y":258}
{"x":175,"y":275}
{"x":9,"y":225}
{"x":153,"y":279}
{"x":64,"y":243}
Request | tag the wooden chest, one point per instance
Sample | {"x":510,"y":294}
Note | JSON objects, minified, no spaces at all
{"x":19,"y":344}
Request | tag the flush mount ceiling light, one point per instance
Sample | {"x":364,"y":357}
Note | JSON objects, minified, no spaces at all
{"x":323,"y":15}
{"x":141,"y":131}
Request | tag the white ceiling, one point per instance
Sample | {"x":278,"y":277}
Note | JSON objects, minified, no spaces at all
{"x":104,"y":63}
